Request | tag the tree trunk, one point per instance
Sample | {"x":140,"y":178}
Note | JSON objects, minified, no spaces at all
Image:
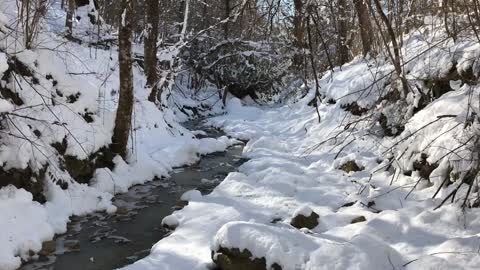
{"x":69,"y":20}
{"x":396,"y":49}
{"x":181,"y":14}
{"x":298,"y":31}
{"x":123,"y":120}
{"x":205,"y":18}
{"x":314,"y":70}
{"x":227,"y":15}
{"x":342,"y":49}
{"x":298,"y":24}
{"x":186,"y":14}
{"x":365,"y":25}
{"x":150,"y":46}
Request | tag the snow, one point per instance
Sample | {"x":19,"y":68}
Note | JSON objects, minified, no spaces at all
{"x":76,"y":85}
{"x":171,"y":221}
{"x":292,"y":249}
{"x":5,"y":106}
{"x":3,"y":63}
{"x":24,"y":226}
{"x":292,"y":167}
{"x":191,"y":195}
{"x":78,"y":200}
{"x":303,"y":210}
{"x":289,"y":248}
{"x":293,"y":164}
{"x":347,"y":84}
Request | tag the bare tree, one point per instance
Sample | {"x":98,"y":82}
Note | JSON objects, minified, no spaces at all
{"x":298,"y":30}
{"x":150,"y":46}
{"x":298,"y":23}
{"x":69,"y":20}
{"x":342,"y":32}
{"x":395,"y":57}
{"x":450,"y":29}
{"x":365,"y":25}
{"x":123,"y":120}
{"x":227,"y":16}
{"x":31,"y":14}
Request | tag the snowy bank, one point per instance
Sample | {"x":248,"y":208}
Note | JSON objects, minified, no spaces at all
{"x":58,"y":108}
{"x":367,"y":220}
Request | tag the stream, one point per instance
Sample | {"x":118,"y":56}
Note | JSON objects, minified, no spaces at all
{"x":101,"y":241}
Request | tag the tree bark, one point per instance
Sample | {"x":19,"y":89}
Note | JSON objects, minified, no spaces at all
{"x":298,"y":31}
{"x":365,"y":25}
{"x":150,"y":46}
{"x":181,"y":14}
{"x":227,"y":15}
{"x":314,"y":70}
{"x":123,"y":120}
{"x":342,"y":48}
{"x":70,"y":14}
{"x":298,"y":24}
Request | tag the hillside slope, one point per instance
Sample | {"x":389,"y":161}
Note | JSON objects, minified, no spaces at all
{"x":366,"y":180}
{"x":58,"y":104}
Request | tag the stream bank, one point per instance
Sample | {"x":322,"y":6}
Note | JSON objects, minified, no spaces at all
{"x":108,"y":241}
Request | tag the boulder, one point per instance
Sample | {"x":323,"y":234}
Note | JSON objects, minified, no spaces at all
{"x":351,"y":166}
{"x":170,"y":222}
{"x":305,"y":218}
{"x":354,"y":109}
{"x":253,"y":246}
{"x":234,"y":259}
{"x":358,"y":220}
{"x":186,"y":197}
{"x":72,"y":245}
{"x":48,"y":248}
{"x":122,"y":211}
{"x":180,"y":205}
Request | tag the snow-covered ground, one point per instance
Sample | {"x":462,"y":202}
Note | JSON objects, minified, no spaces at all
{"x":287,"y":172}
{"x":68,"y":82}
{"x":294,"y":164}
{"x":293,"y":167}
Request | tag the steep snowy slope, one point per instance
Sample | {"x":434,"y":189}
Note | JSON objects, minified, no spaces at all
{"x":58,"y":104}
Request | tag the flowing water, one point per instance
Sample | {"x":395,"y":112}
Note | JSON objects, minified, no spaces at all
{"x":102,"y":241}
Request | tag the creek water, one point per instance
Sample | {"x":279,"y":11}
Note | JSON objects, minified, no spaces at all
{"x":102,"y":241}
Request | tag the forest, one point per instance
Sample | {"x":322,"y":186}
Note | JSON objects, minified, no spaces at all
{"x":239,"y":134}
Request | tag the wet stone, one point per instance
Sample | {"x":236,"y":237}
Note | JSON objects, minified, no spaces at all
{"x":48,"y":248}
{"x":72,"y":245}
{"x":122,"y":211}
{"x":180,"y":205}
{"x":351,"y":166}
{"x":301,"y":221}
{"x":234,"y":259}
{"x":358,"y":220}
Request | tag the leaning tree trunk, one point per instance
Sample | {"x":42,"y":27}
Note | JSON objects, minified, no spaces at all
{"x":396,"y":58}
{"x":365,"y":25}
{"x":123,"y":120}
{"x":342,"y":49}
{"x":69,"y":20}
{"x":150,"y":46}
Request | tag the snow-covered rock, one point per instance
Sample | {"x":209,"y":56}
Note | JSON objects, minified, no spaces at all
{"x":290,"y":249}
{"x":304,"y":217}
{"x":170,"y":222}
